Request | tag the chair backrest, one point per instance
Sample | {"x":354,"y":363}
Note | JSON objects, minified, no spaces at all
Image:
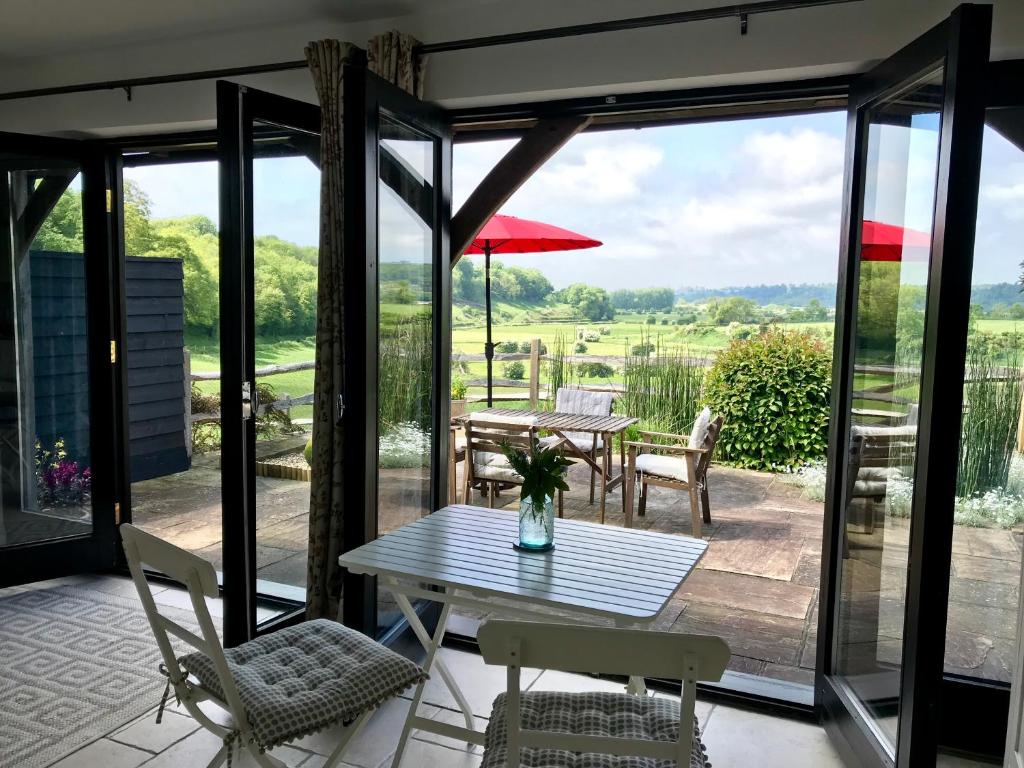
{"x":199,"y":577}
{"x":570,"y":648}
{"x":576,"y":400}
{"x":710,"y":441}
{"x":487,"y":434}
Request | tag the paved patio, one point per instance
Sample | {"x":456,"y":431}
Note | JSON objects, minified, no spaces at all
{"x":757,"y":587}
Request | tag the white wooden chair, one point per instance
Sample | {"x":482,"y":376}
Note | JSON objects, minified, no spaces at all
{"x":276,"y":688}
{"x":575,"y":400}
{"x":541,"y":729}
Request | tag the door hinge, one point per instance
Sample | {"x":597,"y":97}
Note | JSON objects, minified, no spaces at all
{"x":117,"y":513}
{"x":110,"y":201}
{"x":113,"y":351}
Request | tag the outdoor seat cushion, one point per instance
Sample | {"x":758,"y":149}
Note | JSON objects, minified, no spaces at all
{"x":301,"y":679}
{"x":873,"y":481}
{"x":494,"y":466}
{"x":590,"y":714}
{"x":672,"y":467}
{"x":582,"y":440}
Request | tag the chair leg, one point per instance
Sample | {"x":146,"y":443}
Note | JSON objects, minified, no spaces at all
{"x":694,"y":510}
{"x":627,"y":495}
{"x":642,"y":507}
{"x":705,"y":501}
{"x":561,"y":512}
{"x":467,"y":487}
{"x":490,"y":495}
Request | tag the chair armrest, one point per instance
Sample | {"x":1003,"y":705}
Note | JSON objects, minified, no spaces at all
{"x":670,"y":448}
{"x":681,"y":438}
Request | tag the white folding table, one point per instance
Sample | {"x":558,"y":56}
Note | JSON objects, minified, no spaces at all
{"x":462,"y":556}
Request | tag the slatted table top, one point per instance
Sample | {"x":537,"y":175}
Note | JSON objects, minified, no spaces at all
{"x":572,"y":422}
{"x":621,"y":573}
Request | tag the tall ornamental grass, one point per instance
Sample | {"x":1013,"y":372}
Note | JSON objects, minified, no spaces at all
{"x":992,"y":400}
{"x":405,"y":372}
{"x":664,"y":389}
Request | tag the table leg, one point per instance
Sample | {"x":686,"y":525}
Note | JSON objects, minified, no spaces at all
{"x":605,"y":471}
{"x":431,"y":646}
{"x":637,"y":686}
{"x":622,"y":471}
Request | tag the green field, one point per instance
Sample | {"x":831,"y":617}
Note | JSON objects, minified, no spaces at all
{"x":625,"y":331}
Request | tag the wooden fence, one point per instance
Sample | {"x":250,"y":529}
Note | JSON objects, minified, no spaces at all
{"x":284,"y":403}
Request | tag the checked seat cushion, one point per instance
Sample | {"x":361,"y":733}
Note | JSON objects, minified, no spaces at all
{"x":590,"y":714}
{"x":301,"y":679}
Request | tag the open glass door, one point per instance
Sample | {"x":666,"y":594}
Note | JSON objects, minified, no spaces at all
{"x":58,"y":361}
{"x":913,"y":159}
{"x":265,"y":141}
{"x":397,"y":304}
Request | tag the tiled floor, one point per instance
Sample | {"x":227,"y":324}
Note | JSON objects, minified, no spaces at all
{"x":179,"y":742}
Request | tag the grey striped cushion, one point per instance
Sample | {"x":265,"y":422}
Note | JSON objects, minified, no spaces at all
{"x":590,"y":714}
{"x":299,"y":680}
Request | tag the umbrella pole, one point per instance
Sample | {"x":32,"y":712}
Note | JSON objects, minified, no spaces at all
{"x":488,"y":345}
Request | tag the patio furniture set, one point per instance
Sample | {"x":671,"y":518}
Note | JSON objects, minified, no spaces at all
{"x":319,"y":674}
{"x":585,"y":429}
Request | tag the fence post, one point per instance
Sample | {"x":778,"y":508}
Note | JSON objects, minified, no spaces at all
{"x":534,"y":372}
{"x":186,"y":357}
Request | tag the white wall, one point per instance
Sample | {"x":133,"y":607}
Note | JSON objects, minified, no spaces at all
{"x":797,"y":44}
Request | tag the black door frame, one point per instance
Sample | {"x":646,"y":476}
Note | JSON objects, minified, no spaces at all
{"x":961,"y":44}
{"x":367,"y":96}
{"x":238,"y":108}
{"x":97,"y":550}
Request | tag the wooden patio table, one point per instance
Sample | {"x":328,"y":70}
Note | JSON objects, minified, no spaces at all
{"x":464,"y":556}
{"x":605,"y":427}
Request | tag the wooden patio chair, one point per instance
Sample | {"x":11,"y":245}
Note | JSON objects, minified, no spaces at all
{"x":549,"y":728}
{"x":685,"y":467}
{"x":276,"y":688}
{"x":575,"y":400}
{"x":485,"y":462}
{"x":456,"y":453}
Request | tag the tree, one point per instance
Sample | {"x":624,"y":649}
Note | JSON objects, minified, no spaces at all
{"x":734,"y":309}
{"x":62,"y":229}
{"x":200,"y":290}
{"x":591,"y":302}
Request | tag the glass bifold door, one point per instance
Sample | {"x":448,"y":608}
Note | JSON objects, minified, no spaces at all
{"x":905,"y":418}
{"x":395,"y":281}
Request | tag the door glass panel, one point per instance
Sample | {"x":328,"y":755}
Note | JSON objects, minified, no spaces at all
{"x":985,"y":573}
{"x":405,"y":247}
{"x":286,"y":231}
{"x":45,"y":462}
{"x":173,"y":357}
{"x":900,"y":177}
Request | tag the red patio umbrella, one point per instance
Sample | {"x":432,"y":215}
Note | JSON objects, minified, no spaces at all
{"x":888,"y":242}
{"x":509,"y":234}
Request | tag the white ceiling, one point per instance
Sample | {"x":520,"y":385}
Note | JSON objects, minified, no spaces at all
{"x":39,"y":28}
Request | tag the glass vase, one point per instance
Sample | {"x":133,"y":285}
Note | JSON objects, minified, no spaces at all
{"x":536,"y":525}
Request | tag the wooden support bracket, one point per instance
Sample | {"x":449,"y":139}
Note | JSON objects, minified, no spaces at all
{"x":522,"y":161}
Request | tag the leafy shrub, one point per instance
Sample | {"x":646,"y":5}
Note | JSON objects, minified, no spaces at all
{"x":664,"y":321}
{"x":514,"y":370}
{"x":643,"y":349}
{"x":773,"y":390}
{"x":591,"y":336}
{"x":594,"y":370}
{"x":525,"y":347}
{"x":652,"y":320}
{"x":580,"y":348}
{"x":507,"y":347}
{"x":604,"y":330}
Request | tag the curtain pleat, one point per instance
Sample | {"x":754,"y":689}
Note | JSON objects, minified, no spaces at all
{"x":391,"y":56}
{"x":327,"y":59}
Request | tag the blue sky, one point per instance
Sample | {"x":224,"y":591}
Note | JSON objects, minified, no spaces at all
{"x":728,"y":203}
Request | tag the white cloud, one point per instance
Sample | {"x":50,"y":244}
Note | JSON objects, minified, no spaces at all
{"x":610,"y":171}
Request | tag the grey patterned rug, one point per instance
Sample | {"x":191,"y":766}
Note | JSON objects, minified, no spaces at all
{"x":76,"y":663}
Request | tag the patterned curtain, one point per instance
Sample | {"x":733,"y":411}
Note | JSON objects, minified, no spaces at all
{"x":323,"y":579}
{"x":391,"y":55}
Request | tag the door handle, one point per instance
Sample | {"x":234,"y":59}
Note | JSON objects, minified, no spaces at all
{"x":250,"y":400}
